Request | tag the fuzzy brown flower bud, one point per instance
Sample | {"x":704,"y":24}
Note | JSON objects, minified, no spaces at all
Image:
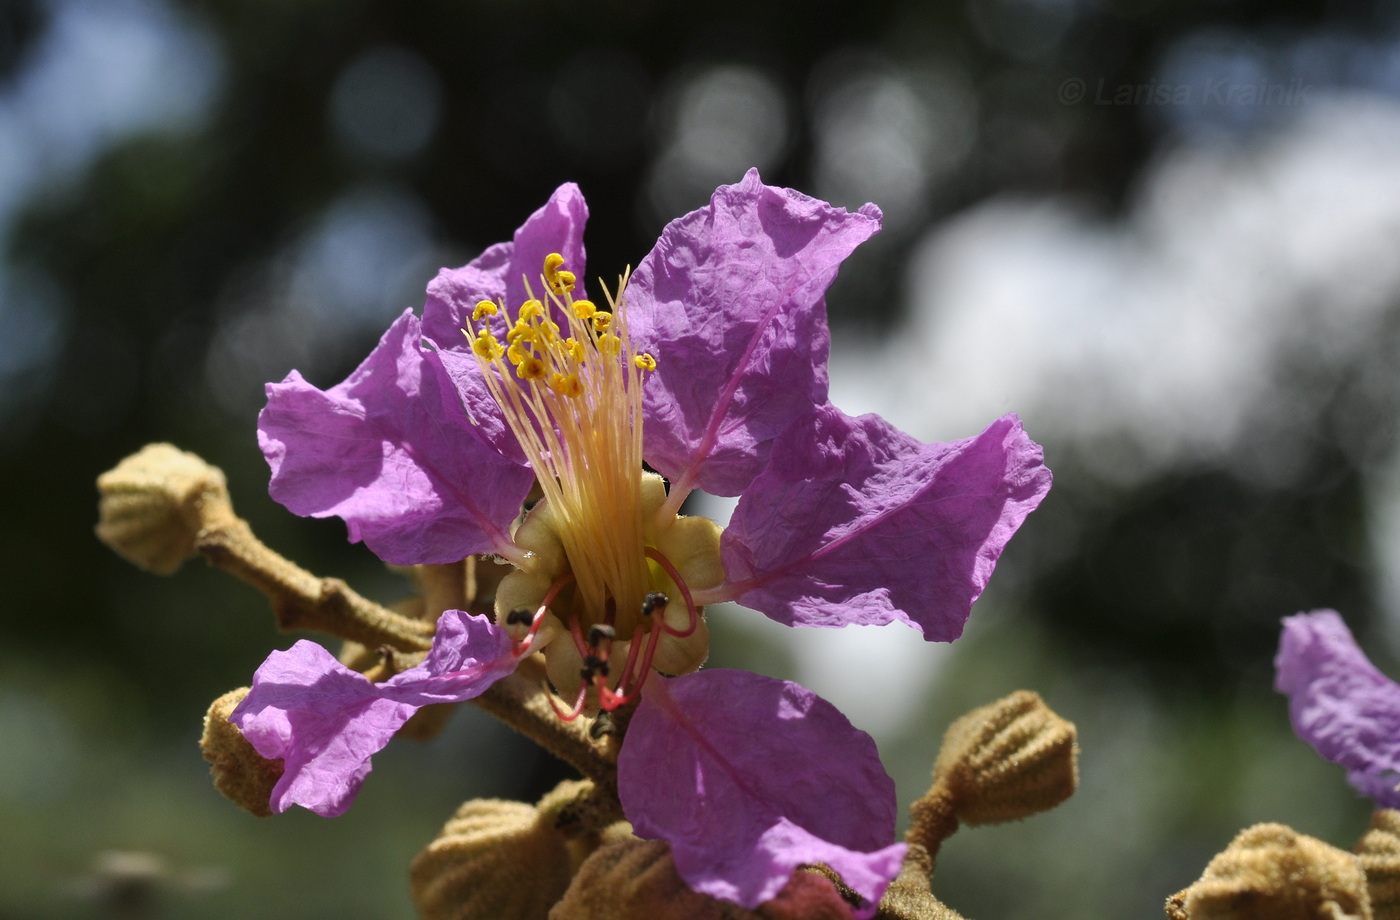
{"x":155,"y":502}
{"x":1379,"y":852}
{"x":1272,"y":872}
{"x":240,"y":773}
{"x":635,"y":879}
{"x":498,"y":860}
{"x":1000,"y":762}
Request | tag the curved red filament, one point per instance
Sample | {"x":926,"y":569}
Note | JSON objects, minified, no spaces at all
{"x":660,"y":559}
{"x":523,"y":647}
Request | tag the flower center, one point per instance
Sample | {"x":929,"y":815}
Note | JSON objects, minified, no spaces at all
{"x":573,"y":398}
{"x":606,"y":579}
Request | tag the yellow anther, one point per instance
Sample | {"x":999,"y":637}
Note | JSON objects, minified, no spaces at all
{"x":574,"y":349}
{"x":531,"y":368}
{"x":530,"y":309}
{"x":609,"y":345}
{"x":487,"y":347}
{"x":519,"y":351}
{"x":566,"y":384}
{"x":484,"y":309}
{"x":602,"y":320}
{"x":520,"y":332}
{"x":645,"y":362}
{"x":549,"y":332}
{"x":552,"y":263}
{"x":583,"y":309}
{"x":562,"y":283}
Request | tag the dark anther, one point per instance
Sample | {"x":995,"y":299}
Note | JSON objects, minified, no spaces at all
{"x":602,"y":725}
{"x":599,"y":633}
{"x":655,"y":600}
{"x":520,"y":615}
{"x":592,"y":664}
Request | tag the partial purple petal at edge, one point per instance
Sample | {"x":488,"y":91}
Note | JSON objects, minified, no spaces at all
{"x":325,"y":721}
{"x":854,"y":521}
{"x":1340,"y":703}
{"x":749,"y":778}
{"x":391,"y":452}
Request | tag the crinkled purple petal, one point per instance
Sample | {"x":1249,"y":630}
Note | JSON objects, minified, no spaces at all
{"x":730,"y":302}
{"x":854,"y":521}
{"x":391,"y":451}
{"x":749,"y":778}
{"x":499,"y":272}
{"x":1340,"y":703}
{"x":326,"y":721}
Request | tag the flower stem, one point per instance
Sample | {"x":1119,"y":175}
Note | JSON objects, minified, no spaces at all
{"x":300,"y":599}
{"x":522,"y":702}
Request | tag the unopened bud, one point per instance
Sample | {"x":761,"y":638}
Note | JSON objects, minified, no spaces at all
{"x":497,"y":859}
{"x":1000,"y":762}
{"x":243,"y":775}
{"x":155,"y":502}
{"x":1271,"y":872}
{"x":1379,"y":852}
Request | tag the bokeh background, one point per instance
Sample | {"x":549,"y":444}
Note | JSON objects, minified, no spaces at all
{"x":1164,"y":233}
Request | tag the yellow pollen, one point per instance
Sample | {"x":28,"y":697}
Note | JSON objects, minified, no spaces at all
{"x":583,"y":309}
{"x":520,"y":331}
{"x":531,"y":368}
{"x":530,"y":309}
{"x":486,"y":346}
{"x":566,"y":384}
{"x":602,"y":320}
{"x":519,"y":352}
{"x":645,"y":362}
{"x":552,"y":263}
{"x":574,"y":349}
{"x":484,"y":309}
{"x":563,"y":283}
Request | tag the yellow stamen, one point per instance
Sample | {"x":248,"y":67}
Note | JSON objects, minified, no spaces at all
{"x":486,"y":346}
{"x":484,"y":309}
{"x":645,"y":362}
{"x":574,"y":404}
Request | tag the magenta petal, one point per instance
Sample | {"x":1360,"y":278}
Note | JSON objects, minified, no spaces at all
{"x":854,"y":521}
{"x":730,"y":302}
{"x":1340,"y":703}
{"x":499,"y":272}
{"x":391,"y":451}
{"x":326,"y":721}
{"x":749,"y":778}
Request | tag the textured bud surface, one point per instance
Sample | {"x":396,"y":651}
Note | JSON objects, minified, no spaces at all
{"x":152,"y":505}
{"x":239,"y":772}
{"x":1379,"y":852}
{"x":636,"y":880}
{"x":1271,"y":872}
{"x":494,"y":860}
{"x":1000,"y":762}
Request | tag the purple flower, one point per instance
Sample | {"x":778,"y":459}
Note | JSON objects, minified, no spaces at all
{"x":710,"y":365}
{"x":1340,"y":703}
